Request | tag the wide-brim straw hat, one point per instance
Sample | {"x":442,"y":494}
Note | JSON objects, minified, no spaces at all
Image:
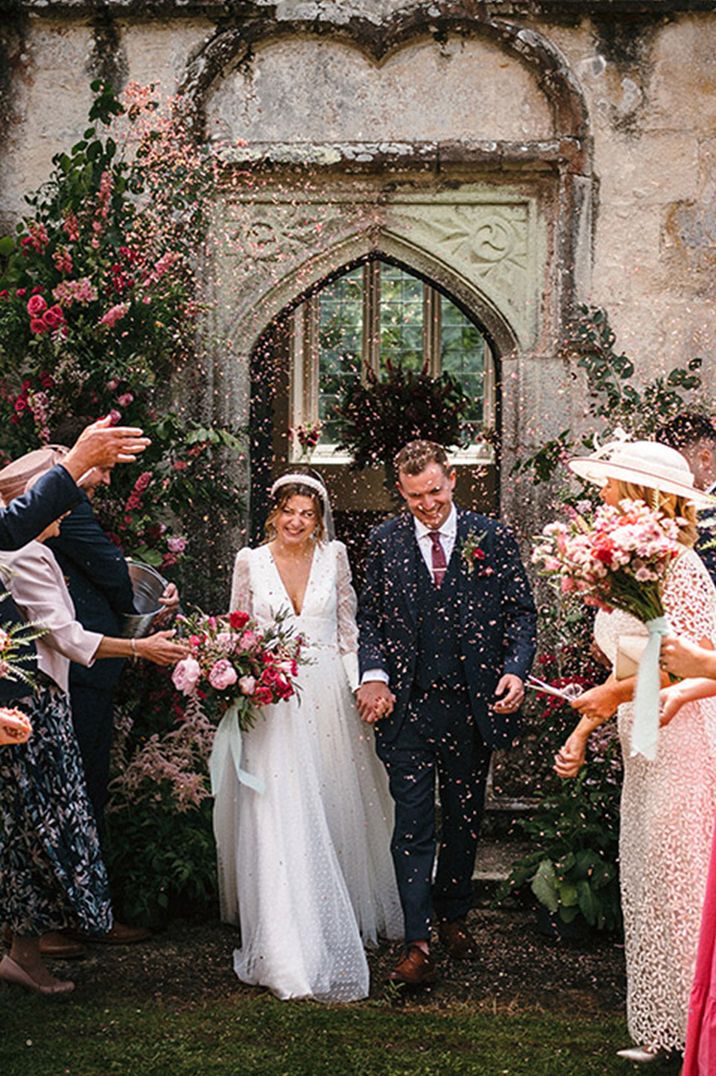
{"x":642,"y":463}
{"x":15,"y":477}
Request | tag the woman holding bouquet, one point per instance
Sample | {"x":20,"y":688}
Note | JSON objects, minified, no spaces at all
{"x":668,"y":803}
{"x":305,"y":864}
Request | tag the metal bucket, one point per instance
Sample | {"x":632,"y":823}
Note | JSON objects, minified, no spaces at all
{"x":148,"y":586}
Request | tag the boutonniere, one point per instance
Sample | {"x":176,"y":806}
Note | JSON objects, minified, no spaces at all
{"x":473,"y":554}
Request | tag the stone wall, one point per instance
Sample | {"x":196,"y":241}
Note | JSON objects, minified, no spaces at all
{"x":603,"y":113}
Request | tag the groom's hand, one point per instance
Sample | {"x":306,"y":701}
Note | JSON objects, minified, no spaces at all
{"x":509,"y":694}
{"x":374,"y":700}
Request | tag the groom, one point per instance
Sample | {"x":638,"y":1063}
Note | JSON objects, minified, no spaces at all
{"x":447,"y":636}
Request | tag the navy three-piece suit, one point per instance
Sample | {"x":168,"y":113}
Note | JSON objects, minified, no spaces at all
{"x":444,"y":650}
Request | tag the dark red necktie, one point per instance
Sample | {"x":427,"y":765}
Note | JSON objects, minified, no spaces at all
{"x":439,"y":562}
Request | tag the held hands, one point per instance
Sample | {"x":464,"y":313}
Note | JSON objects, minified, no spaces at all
{"x":509,"y":693}
{"x":103,"y":445}
{"x":374,"y":700}
{"x":160,"y":649}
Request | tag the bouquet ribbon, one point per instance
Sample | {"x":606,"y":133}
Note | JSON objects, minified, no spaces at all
{"x":645,"y":730}
{"x":227,"y":746}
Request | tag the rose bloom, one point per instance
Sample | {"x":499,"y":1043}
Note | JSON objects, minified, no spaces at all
{"x":186,"y":675}
{"x":238,"y":620}
{"x":36,"y":306}
{"x":247,"y":685}
{"x":263,"y":696}
{"x":54,"y":317}
{"x":37,"y":325}
{"x":222,"y":675}
{"x":125,"y":399}
{"x":176,"y":545}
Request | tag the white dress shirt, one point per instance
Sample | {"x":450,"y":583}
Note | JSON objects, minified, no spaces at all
{"x":448,"y":535}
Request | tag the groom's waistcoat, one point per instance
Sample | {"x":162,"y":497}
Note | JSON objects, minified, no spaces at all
{"x":439,"y":655}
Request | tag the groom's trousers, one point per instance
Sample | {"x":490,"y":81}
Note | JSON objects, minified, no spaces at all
{"x":438,"y":738}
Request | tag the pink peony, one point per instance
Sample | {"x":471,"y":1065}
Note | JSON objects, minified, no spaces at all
{"x":36,"y":306}
{"x":248,"y":640}
{"x":186,"y":675}
{"x":222,"y":675}
{"x":247,"y":685}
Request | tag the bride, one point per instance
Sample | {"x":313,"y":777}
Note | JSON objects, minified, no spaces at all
{"x":305,"y":865}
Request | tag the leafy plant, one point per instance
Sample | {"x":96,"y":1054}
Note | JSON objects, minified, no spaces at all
{"x":377,"y":418}
{"x":612,"y":395}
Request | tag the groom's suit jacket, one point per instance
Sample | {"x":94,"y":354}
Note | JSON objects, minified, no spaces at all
{"x":496,"y":612}
{"x":25,"y":517}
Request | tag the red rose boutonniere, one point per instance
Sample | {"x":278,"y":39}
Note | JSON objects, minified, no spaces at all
{"x":473,"y":554}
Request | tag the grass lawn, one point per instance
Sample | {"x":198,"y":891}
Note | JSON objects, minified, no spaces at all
{"x":258,"y":1034}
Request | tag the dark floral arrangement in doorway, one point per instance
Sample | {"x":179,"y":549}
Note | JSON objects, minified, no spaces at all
{"x":380,"y":416}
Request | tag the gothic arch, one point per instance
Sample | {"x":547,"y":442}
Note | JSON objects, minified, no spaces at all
{"x":230,"y":47}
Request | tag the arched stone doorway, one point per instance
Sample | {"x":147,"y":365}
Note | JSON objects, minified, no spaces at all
{"x":432,"y":327}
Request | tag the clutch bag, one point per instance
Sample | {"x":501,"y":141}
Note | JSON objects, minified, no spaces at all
{"x":629,"y":653}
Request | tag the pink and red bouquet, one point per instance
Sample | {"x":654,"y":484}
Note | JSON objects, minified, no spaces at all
{"x":617,"y":560}
{"x":235,"y":662}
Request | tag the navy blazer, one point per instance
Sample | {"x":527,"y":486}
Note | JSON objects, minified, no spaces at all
{"x":23,"y":519}
{"x":98,"y":580}
{"x":497,"y":616}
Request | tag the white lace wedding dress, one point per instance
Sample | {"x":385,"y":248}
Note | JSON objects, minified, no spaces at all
{"x":305,"y":866}
{"x":668,"y":808}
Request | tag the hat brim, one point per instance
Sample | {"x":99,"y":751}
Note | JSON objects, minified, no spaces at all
{"x":597,"y":471}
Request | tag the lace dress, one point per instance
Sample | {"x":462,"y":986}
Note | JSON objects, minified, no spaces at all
{"x":668,"y":809}
{"x":305,"y":866}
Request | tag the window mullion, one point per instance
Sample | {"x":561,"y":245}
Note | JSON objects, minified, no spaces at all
{"x":371,"y":318}
{"x":431,"y":330}
{"x":309,"y":394}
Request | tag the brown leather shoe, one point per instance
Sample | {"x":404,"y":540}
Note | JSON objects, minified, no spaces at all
{"x":416,"y":968}
{"x":457,"y":939}
{"x":120,"y":934}
{"x":60,"y":946}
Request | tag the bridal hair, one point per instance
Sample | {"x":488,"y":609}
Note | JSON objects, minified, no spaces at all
{"x":414,"y":457}
{"x":300,"y":481}
{"x":669,"y":504}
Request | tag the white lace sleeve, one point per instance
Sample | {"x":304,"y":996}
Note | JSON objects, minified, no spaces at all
{"x":690,"y":599}
{"x":241,"y":583}
{"x":347,"y":607}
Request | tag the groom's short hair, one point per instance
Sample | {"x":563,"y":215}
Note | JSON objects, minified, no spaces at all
{"x":414,"y":457}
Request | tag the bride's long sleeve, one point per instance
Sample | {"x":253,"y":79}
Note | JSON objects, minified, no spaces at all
{"x":347,"y":607}
{"x":241,"y":583}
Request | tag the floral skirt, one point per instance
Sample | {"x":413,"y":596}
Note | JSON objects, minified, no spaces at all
{"x":52,"y":872}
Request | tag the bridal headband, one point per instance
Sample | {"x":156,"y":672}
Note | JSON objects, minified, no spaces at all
{"x":300,"y":480}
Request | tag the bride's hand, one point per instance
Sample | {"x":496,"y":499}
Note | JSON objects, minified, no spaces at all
{"x":571,"y":756}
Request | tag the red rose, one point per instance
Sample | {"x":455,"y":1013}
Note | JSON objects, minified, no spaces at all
{"x":36,"y":306}
{"x":478,"y":554}
{"x":37,"y":325}
{"x":262,"y":696}
{"x":53,"y":317}
{"x":37,"y":290}
{"x":21,"y":293}
{"x":238,"y":620}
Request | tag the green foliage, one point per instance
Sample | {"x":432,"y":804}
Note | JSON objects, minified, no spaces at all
{"x":571,"y":869}
{"x":612,"y":395}
{"x":377,"y":418}
{"x":162,"y":862}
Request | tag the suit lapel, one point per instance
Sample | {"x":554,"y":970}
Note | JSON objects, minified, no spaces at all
{"x":405,"y":551}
